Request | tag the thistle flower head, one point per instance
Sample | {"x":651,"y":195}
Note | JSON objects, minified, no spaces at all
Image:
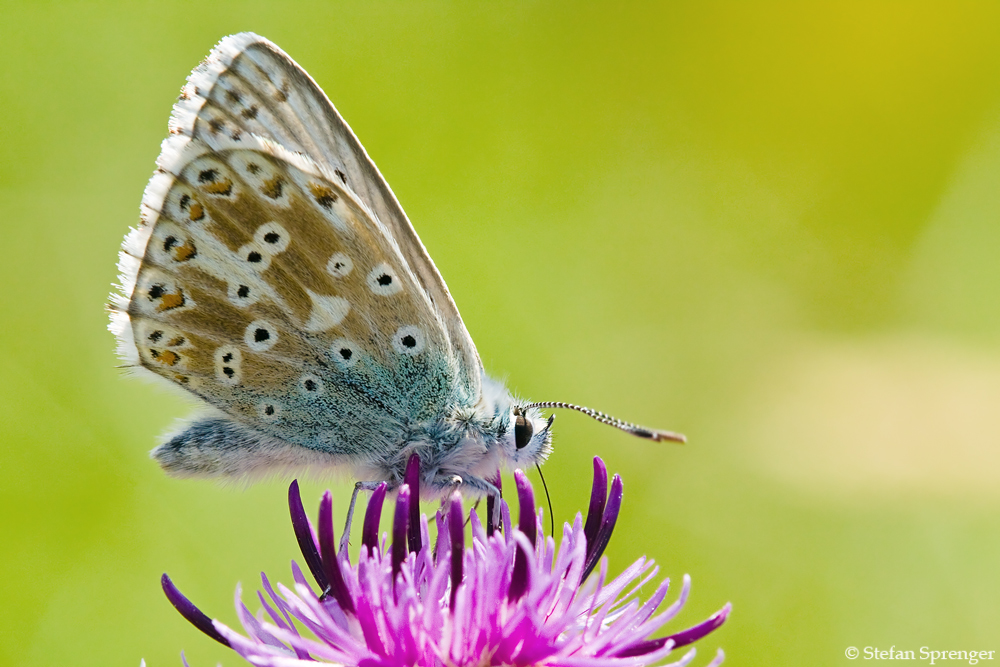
{"x":508,"y":598}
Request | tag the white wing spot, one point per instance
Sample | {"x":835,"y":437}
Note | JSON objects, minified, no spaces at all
{"x":210,"y":176}
{"x":339,"y":265}
{"x":243,"y":295}
{"x":269,"y":411}
{"x":260,"y":335}
{"x":255,"y":255}
{"x":170,"y":244}
{"x":163,"y":346}
{"x":409,"y":340}
{"x":344,"y":353}
{"x":382,"y":280}
{"x":158,"y":293}
{"x":323,"y":197}
{"x":183,"y":206}
{"x":229,"y":365}
{"x":262,"y":176}
{"x":327,"y":312}
{"x":272,"y":237}
{"x":310,"y":385}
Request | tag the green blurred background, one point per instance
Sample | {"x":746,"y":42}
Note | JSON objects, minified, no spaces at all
{"x":773,"y":227}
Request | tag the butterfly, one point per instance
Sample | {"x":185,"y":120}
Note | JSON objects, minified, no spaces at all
{"x":274,"y":275}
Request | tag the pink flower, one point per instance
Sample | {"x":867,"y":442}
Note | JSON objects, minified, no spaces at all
{"x":508,"y":599}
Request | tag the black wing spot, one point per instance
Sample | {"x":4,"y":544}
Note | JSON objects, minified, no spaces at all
{"x":227,"y":357}
{"x":254,"y":257}
{"x":272,"y":237}
{"x":385,"y":279}
{"x":208,"y":176}
{"x":409,"y":341}
{"x":346,"y":353}
{"x":228,"y":371}
{"x":343,"y":178}
{"x":156,"y":291}
{"x":155,"y":336}
{"x":310,"y":385}
{"x":250,"y":112}
{"x":269,"y":410}
{"x":243,"y":291}
{"x":260,"y":335}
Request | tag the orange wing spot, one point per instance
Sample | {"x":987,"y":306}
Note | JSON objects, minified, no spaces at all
{"x":183,"y":253}
{"x":183,"y":379}
{"x":174,"y":342}
{"x":323,"y":195}
{"x":196,"y":212}
{"x":167,"y":358}
{"x":223,"y":187}
{"x":171,"y":300}
{"x":272,"y":188}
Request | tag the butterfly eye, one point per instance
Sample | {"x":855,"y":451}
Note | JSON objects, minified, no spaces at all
{"x":523,"y":430}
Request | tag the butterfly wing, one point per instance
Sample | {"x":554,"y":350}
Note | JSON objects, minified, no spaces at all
{"x":274,"y":275}
{"x":249,"y":85}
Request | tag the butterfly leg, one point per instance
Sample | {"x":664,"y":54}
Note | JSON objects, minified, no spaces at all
{"x":475,"y":507}
{"x":360,"y":486}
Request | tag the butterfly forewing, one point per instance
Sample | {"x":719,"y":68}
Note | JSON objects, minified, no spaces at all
{"x":248,"y":85}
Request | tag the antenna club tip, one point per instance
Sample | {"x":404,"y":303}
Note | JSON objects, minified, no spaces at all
{"x":660,"y":436}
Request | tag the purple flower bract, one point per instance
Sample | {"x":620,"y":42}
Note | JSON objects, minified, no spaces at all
{"x":509,"y":598}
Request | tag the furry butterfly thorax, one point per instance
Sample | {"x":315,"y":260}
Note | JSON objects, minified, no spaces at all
{"x":274,"y":275}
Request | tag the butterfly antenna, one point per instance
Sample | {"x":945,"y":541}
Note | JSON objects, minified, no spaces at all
{"x":628,"y":427}
{"x":552,"y":517}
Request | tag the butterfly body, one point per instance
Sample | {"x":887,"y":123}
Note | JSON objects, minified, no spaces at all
{"x":275,"y":276}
